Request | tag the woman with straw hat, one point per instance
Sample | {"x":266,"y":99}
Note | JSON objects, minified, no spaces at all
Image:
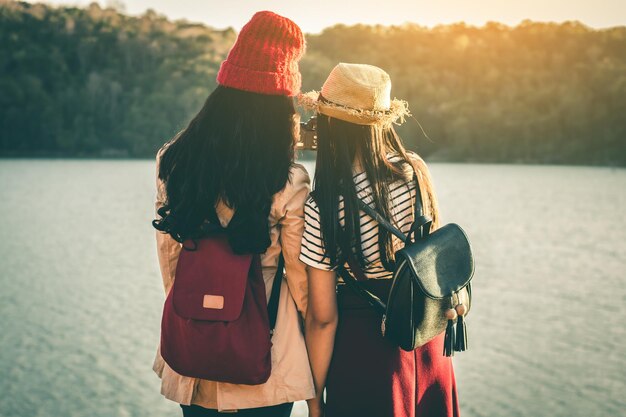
{"x":361,"y":156}
{"x":234,"y":165}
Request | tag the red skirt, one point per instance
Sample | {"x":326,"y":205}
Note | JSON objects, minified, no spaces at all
{"x":370,"y":377}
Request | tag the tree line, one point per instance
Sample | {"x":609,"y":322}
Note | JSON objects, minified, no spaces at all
{"x":95,"y":82}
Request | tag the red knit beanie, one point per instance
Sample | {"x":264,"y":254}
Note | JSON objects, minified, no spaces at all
{"x":265,"y":57}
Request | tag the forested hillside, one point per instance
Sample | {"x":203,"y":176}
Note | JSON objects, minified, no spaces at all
{"x":95,"y":82}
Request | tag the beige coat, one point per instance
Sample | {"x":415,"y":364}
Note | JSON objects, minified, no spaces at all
{"x":291,"y":378}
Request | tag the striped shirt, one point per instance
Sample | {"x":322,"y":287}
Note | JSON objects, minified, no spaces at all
{"x":402,"y":196}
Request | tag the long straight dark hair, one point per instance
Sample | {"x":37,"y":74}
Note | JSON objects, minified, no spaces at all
{"x":239,"y":150}
{"x":340,"y":143}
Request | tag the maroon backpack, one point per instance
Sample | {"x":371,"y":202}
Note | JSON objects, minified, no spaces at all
{"x":217,"y":323}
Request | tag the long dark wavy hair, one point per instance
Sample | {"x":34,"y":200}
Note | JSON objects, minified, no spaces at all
{"x":238,"y":150}
{"x":340,"y":143}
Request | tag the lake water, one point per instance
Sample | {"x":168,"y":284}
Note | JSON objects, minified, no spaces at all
{"x":81,"y":296}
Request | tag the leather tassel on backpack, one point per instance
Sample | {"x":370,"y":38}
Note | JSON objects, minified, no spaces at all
{"x":460,"y":345}
{"x":449,"y":338}
{"x":448,"y":341}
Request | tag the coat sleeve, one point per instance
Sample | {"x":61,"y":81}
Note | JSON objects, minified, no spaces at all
{"x":291,"y":223}
{"x":167,"y":248}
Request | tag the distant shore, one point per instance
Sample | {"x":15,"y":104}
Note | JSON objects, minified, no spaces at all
{"x":535,"y":93}
{"x":308,"y":157}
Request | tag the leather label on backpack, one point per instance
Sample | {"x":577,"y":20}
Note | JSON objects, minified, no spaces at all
{"x":213,"y":301}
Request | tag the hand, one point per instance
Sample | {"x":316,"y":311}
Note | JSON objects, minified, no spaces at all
{"x":316,"y":408}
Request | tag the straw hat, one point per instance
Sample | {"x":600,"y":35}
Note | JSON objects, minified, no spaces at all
{"x":357,"y":93}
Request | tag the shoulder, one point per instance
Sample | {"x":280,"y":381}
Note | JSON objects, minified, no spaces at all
{"x":310,"y":207}
{"x":165,"y":146}
{"x":161,"y":150}
{"x":294,"y":194}
{"x":298,"y":175}
{"x":418,"y":163}
{"x":299,"y":181}
{"x":416,"y":159}
{"x":159,"y":155}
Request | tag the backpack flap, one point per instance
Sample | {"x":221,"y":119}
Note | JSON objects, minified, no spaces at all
{"x":211,"y":280}
{"x":441,"y":262}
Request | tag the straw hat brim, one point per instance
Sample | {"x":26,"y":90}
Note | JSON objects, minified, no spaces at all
{"x":397,"y":113}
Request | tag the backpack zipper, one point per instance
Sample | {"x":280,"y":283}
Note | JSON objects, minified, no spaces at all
{"x":383,"y":323}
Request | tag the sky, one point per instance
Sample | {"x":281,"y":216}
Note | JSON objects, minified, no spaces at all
{"x":315,"y":15}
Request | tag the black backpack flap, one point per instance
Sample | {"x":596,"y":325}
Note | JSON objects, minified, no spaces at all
{"x":441,"y":262}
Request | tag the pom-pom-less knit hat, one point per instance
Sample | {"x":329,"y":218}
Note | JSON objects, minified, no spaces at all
{"x":265,"y":57}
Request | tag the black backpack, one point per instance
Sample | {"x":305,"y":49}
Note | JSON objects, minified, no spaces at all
{"x":431,"y":287}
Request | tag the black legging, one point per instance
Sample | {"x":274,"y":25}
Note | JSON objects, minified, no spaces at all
{"x":282,"y":410}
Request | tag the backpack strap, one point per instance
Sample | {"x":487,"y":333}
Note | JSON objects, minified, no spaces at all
{"x":272,"y":305}
{"x":381,"y":220}
{"x":418,"y":215}
{"x":421,"y":224}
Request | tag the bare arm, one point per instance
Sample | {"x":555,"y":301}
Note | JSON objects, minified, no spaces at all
{"x":321,"y":325}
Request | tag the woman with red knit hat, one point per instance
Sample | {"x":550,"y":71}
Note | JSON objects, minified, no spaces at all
{"x":234,"y":164}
